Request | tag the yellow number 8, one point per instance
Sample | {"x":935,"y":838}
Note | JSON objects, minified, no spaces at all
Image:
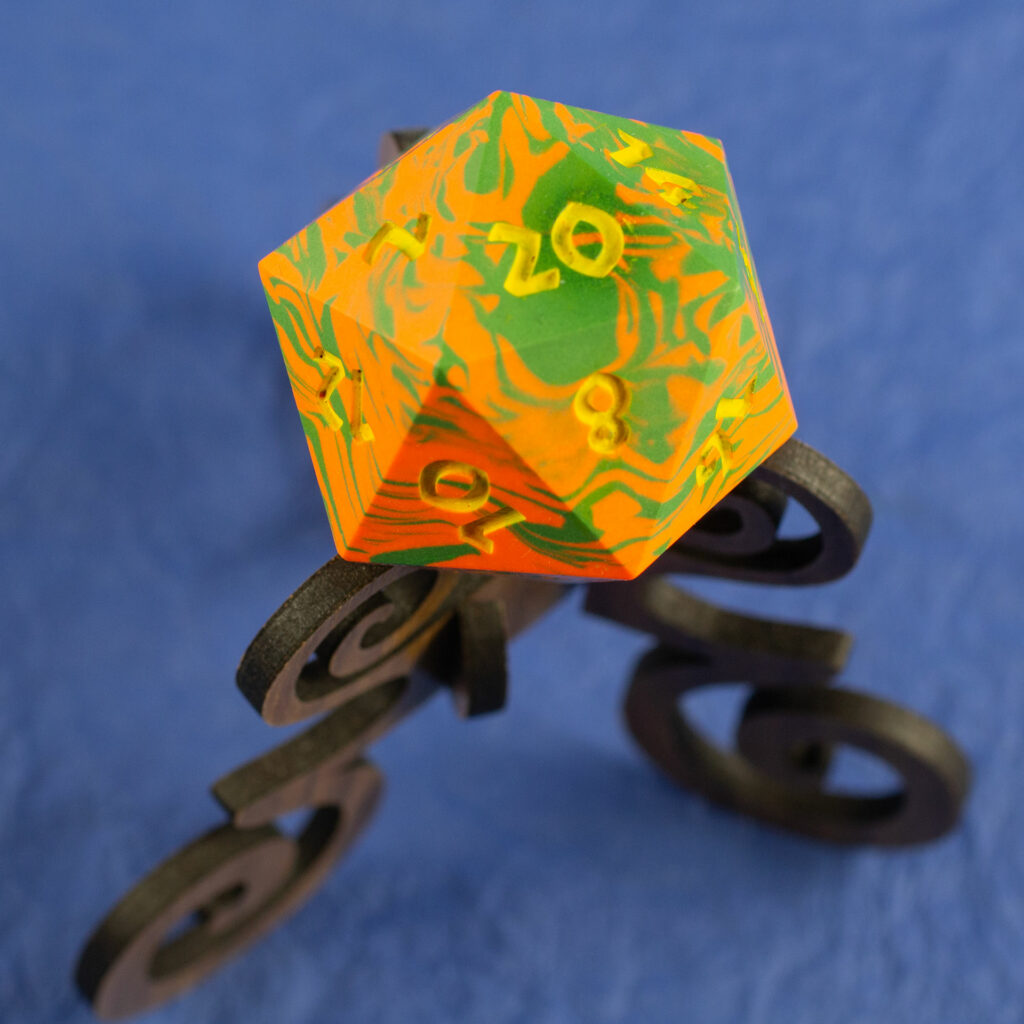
{"x":608,"y":431}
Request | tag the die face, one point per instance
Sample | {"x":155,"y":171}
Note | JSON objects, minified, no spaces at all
{"x":551,"y":310}
{"x":352,"y":385}
{"x":458,"y":495}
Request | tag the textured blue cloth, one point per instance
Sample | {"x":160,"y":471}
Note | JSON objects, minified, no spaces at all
{"x":158,"y":503}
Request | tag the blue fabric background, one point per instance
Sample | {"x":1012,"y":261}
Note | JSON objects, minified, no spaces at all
{"x":158,"y":503}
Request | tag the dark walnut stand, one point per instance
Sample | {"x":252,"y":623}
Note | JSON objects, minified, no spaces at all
{"x":362,"y":646}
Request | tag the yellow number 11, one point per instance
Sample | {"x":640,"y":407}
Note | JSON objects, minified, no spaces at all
{"x":334,"y":374}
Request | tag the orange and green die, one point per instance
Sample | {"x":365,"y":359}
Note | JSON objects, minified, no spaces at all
{"x":533,"y":343}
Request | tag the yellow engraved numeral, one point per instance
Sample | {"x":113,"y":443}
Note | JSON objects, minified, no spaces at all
{"x":731,"y":408}
{"x":632,"y":153}
{"x":334,"y":374}
{"x":361,"y":430}
{"x":475,"y":496}
{"x":673,"y":188}
{"x":718,"y":449}
{"x":608,"y":431}
{"x":736,"y":408}
{"x":521,"y":279}
{"x":411,"y":244}
{"x":475,"y":533}
{"x":610,"y":230}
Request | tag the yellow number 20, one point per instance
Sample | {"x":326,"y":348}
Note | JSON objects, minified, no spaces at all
{"x":521,"y":280}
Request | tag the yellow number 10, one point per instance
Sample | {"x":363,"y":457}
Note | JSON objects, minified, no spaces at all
{"x":474,"y":497}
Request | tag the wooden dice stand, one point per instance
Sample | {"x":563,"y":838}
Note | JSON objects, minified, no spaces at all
{"x":362,"y":646}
